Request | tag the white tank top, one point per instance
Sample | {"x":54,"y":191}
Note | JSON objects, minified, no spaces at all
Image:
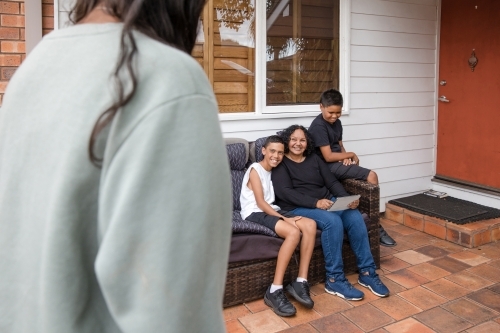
{"x":247,"y":198}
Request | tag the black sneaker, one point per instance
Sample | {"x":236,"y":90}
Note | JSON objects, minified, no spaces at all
{"x":279,"y":303}
{"x":300,"y":291}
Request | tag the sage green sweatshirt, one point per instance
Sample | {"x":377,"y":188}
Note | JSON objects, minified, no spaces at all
{"x":139,"y":245}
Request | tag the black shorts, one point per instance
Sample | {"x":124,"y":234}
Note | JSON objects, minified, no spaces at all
{"x":267,"y":220}
{"x":352,"y":171}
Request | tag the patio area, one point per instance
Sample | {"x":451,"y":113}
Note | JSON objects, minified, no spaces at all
{"x":436,"y":286}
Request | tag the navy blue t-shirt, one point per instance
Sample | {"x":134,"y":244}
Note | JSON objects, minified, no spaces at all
{"x":326,"y":134}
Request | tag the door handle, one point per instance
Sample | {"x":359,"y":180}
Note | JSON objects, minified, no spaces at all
{"x":443,"y":99}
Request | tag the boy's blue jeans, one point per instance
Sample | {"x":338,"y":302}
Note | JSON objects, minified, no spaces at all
{"x":332,"y":225}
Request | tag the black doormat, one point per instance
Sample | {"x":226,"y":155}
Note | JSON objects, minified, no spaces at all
{"x":448,"y":208}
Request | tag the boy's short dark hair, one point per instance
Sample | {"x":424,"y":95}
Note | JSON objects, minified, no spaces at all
{"x":273,"y":139}
{"x":331,"y":97}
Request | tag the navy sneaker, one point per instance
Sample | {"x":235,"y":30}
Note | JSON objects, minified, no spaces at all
{"x":300,"y":291}
{"x":339,"y":286}
{"x":279,"y":303}
{"x":370,"y":280}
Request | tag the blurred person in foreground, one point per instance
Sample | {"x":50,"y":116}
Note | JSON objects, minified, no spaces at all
{"x":115,"y":203}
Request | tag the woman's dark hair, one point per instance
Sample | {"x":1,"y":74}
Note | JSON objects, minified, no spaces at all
{"x":287,"y":133}
{"x":173,"y":22}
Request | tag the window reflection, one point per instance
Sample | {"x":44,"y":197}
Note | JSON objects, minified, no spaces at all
{"x":302,"y":50}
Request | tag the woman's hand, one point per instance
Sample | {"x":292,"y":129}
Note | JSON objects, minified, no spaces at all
{"x":354,"y":204}
{"x":324,"y":204}
{"x":292,"y":220}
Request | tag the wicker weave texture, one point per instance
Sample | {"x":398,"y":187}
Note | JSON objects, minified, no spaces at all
{"x":247,"y":281}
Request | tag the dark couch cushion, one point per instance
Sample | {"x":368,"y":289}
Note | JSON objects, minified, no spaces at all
{"x":258,"y":144}
{"x":237,"y":155}
{"x":243,"y":226}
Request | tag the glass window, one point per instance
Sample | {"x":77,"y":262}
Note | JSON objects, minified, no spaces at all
{"x":226,"y":49}
{"x":302,"y":51}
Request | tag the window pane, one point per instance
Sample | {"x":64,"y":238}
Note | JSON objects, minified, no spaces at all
{"x":302,"y":50}
{"x":225,"y":47}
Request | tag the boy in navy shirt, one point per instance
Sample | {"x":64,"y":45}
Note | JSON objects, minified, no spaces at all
{"x":326,"y":130}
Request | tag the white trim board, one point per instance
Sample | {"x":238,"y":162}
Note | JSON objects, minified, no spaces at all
{"x":33,"y":23}
{"x":469,"y":195}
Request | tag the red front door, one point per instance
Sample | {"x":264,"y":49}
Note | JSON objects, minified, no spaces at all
{"x":468,"y":146}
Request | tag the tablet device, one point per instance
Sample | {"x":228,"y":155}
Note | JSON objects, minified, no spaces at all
{"x":342,"y":203}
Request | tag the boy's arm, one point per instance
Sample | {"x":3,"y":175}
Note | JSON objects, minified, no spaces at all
{"x":255,"y":185}
{"x":346,"y":157}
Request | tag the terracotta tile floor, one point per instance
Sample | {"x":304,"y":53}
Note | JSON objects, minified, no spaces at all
{"x":435,"y":286}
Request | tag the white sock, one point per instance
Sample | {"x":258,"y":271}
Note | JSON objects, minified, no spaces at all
{"x":275,"y":287}
{"x":299,"y":279}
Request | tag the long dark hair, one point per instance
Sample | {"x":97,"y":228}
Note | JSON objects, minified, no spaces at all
{"x":287,"y":133}
{"x":174,"y":22}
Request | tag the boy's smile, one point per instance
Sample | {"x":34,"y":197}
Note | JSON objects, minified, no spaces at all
{"x":331,"y":113}
{"x":273,"y":154}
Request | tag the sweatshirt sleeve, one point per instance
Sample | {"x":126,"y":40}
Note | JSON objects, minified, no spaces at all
{"x":165,"y":221}
{"x":283,"y":189}
{"x":331,"y":182}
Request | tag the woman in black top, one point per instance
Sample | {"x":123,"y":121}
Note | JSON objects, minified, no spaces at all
{"x":304,"y":185}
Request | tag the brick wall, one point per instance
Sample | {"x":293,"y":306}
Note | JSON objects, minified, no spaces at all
{"x":12,"y":47}
{"x":12,"y":37}
{"x":47,"y":16}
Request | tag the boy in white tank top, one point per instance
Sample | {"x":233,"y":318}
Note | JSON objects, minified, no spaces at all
{"x":257,"y":198}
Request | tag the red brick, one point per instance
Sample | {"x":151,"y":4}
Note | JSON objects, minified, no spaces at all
{"x":22,"y":9}
{"x":47,"y":22}
{"x":7,"y":7}
{"x":1,"y":99}
{"x":12,"y":21}
{"x":46,"y":31}
{"x":47,"y":10}
{"x":3,"y":86}
{"x":394,"y":208}
{"x":481,"y":238}
{"x":495,"y":234}
{"x":9,"y":33}
{"x":465,"y":240}
{"x":435,"y":220}
{"x":453,"y":236}
{"x":393,"y":215}
{"x":414,"y":221}
{"x":48,"y":1}
{"x":7,"y":72}
{"x":10,"y":60}
{"x":457,"y":227}
{"x":22,"y":35}
{"x":23,"y":56}
{"x":12,"y":47}
{"x":435,"y":229}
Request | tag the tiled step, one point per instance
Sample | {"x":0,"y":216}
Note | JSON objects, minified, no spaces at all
{"x":470,"y":235}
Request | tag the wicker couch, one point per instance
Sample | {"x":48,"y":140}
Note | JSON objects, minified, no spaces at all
{"x":248,"y":278}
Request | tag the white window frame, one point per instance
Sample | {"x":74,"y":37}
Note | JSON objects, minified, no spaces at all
{"x":33,"y":24}
{"x":278,"y":111}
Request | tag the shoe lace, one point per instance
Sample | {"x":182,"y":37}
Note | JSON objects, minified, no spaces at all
{"x":374,"y":276}
{"x":280,"y":295}
{"x":306,"y":287}
{"x":344,"y":281}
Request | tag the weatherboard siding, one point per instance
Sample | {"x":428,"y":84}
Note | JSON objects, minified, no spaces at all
{"x":391,"y":121}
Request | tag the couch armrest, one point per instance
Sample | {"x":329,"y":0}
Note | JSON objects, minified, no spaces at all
{"x":369,"y":203}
